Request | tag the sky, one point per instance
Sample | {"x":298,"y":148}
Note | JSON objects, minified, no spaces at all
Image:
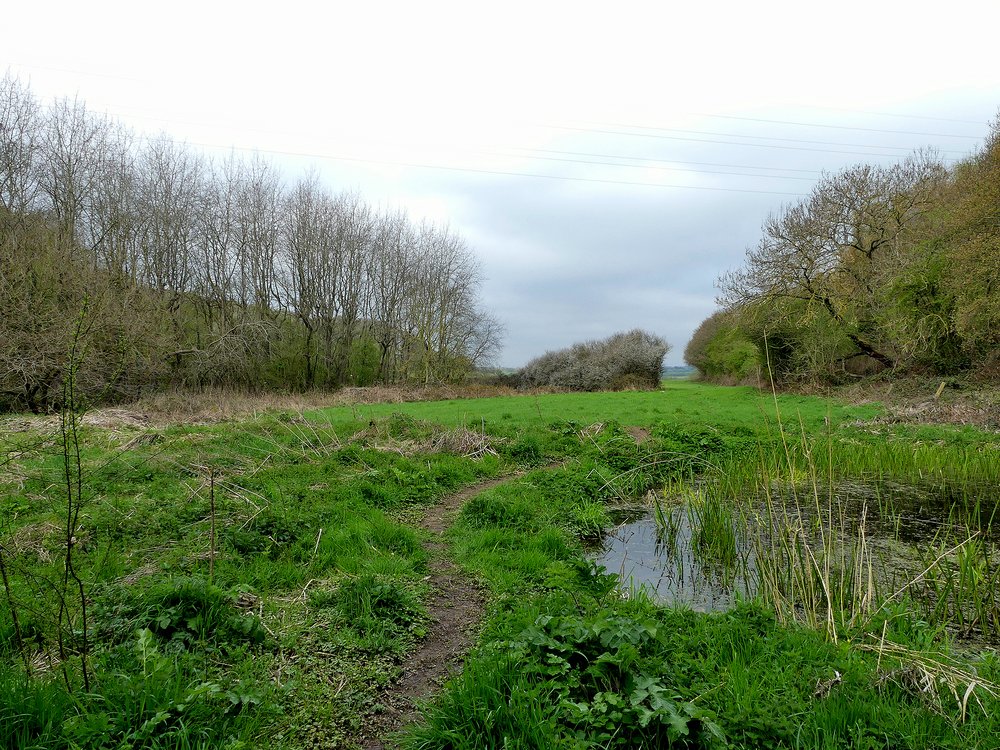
{"x":606,"y":162}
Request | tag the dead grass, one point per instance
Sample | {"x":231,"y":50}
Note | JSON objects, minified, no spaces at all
{"x":219,"y":405}
{"x":460,"y":441}
{"x":961,"y":401}
{"x":214,"y":405}
{"x":40,"y":540}
{"x":464,"y":442}
{"x":930,"y":676}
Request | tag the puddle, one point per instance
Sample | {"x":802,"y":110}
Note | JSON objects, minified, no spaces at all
{"x":903,"y":528}
{"x":673,"y":574}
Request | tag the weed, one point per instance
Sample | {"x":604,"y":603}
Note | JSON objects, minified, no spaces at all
{"x":714,"y":527}
{"x":381,"y":613}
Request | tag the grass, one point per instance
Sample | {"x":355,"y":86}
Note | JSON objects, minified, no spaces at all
{"x":297,"y":508}
{"x":680,"y":403}
{"x":630,"y":674}
{"x":283,"y":626}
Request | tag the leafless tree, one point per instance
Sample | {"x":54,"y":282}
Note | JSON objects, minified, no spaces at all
{"x":393,"y":254}
{"x":20,"y":131}
{"x":170,"y":190}
{"x":74,"y":143}
{"x":833,"y":249}
{"x":212,"y":269}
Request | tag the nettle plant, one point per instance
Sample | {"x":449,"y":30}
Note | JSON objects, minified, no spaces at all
{"x":604,"y":689}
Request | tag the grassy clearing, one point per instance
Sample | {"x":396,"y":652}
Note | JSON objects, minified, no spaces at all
{"x":683,"y":403}
{"x":234,"y":572}
{"x":259,"y":581}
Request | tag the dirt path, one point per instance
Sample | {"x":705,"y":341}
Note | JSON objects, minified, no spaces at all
{"x":456,"y":608}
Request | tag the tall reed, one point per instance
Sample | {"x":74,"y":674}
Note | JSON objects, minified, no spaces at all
{"x":815,"y":555}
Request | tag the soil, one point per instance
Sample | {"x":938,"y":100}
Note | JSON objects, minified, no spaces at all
{"x":456,"y":608}
{"x":639,"y":434}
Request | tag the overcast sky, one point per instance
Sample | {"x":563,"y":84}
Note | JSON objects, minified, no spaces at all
{"x":605,"y":161}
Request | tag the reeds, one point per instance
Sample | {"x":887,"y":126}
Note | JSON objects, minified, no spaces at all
{"x":786,"y":526}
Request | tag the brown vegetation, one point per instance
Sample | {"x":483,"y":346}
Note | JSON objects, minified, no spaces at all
{"x":880,"y":269}
{"x":180,"y":270}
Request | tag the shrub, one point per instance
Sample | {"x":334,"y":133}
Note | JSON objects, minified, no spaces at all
{"x":182,"y":612}
{"x":720,"y":350}
{"x":632,"y":359}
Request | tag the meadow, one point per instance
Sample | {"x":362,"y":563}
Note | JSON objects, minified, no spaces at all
{"x":263,"y":580}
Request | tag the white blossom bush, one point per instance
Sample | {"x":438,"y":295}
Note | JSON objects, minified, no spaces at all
{"x":625,"y":360}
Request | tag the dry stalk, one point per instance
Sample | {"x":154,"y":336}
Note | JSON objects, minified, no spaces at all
{"x":319,"y":536}
{"x":927,"y":672}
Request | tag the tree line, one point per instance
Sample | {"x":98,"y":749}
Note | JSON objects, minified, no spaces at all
{"x":879,"y":269}
{"x":168,"y":267}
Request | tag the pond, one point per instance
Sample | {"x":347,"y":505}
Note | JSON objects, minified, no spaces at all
{"x":933,"y":544}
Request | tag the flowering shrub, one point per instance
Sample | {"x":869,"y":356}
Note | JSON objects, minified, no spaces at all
{"x":624,"y":360}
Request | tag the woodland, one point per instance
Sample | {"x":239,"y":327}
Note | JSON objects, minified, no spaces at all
{"x":880,"y":270}
{"x":157,"y":265}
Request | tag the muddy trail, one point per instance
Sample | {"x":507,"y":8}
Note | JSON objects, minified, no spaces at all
{"x":456,"y":607}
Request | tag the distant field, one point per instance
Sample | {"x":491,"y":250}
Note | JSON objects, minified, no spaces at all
{"x":680,"y":402}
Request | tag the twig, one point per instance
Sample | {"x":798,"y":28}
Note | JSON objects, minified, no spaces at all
{"x":211,"y":497}
{"x":316,"y":547}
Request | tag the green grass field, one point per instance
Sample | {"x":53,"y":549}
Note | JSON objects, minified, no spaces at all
{"x":679,"y":402}
{"x":261,"y":581}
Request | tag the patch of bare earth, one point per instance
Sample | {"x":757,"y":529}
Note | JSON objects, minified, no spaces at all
{"x":639,"y":434}
{"x":456,"y":608}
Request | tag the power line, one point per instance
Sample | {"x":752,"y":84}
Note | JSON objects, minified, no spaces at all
{"x":494,"y":172}
{"x":980,"y":123}
{"x":769,"y":138}
{"x":651,"y":163}
{"x":388,"y":162}
{"x":632,"y":158}
{"x":729,"y":143}
{"x":668,"y":161}
{"x":90,"y":73}
{"x":903,"y":150}
{"x":654,"y":166}
{"x":845,"y":127}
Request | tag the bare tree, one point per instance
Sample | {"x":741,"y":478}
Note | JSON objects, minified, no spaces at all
{"x":311,"y":273}
{"x":834,"y":249}
{"x":20,"y":129}
{"x":392,"y":257}
{"x":354,"y":248}
{"x":217,"y":263}
{"x":258,"y":220}
{"x":111,"y":228}
{"x":73,"y":145}
{"x":212,"y":270}
{"x":169,"y":194}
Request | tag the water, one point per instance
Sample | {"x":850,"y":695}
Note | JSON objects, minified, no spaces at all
{"x":670,"y":573}
{"x":904,"y":526}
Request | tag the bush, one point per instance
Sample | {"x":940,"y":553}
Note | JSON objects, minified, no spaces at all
{"x":721,"y":351}
{"x":624,"y":360}
{"x":183,"y":613}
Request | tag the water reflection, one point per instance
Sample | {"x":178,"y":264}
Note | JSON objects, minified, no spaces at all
{"x":894,"y":529}
{"x":668,"y":570}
